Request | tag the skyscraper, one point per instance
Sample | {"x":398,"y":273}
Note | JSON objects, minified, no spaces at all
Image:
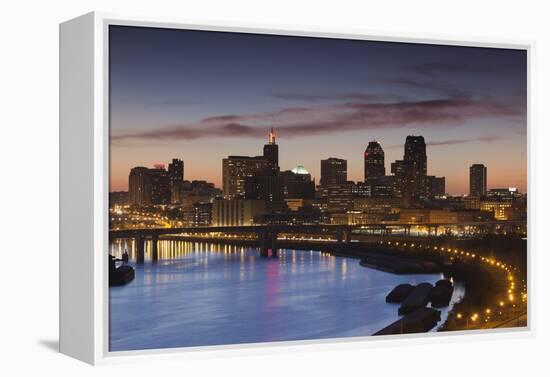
{"x":403,"y":182}
{"x":374,"y":161}
{"x":334,"y":171}
{"x":159,"y":185}
{"x":175,"y":175}
{"x":235,"y":171}
{"x":478,"y":180}
{"x":415,"y":154}
{"x":175,"y":170}
{"x":271,"y":153}
{"x":139,"y":186}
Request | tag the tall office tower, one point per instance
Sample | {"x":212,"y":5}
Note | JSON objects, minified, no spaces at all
{"x":478,"y":180}
{"x":139,"y":186}
{"x":415,"y":153}
{"x":160,"y":185}
{"x":334,"y":171}
{"x":374,"y":161}
{"x":235,"y":170}
{"x":175,"y":170}
{"x":271,"y":153}
{"x":175,"y":174}
{"x":403,"y":183}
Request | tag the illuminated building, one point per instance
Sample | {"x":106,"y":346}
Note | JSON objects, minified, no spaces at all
{"x":240,"y":173}
{"x":198,"y":192}
{"x":297,"y":183}
{"x":118,"y":198}
{"x":202,"y":214}
{"x":361,"y":189}
{"x":374,"y":210}
{"x":471,"y":202}
{"x":415,"y":154}
{"x":382,"y":187}
{"x":478,"y":180}
{"x":236,"y":212}
{"x":374,"y":161}
{"x":294,"y":204}
{"x":139,"y":186}
{"x":271,"y":153}
{"x":427,"y":216}
{"x":403,"y":183}
{"x":311,"y":217}
{"x":436,"y":185}
{"x":236,"y":169}
{"x":175,"y":174}
{"x":506,"y":194}
{"x":410,"y":173}
{"x":262,"y":186}
{"x":386,"y":205}
{"x":502,"y":210}
{"x":334,"y":171}
{"x":160,"y":185}
{"x":175,"y":170}
{"x":149,"y":186}
{"x":338,"y":196}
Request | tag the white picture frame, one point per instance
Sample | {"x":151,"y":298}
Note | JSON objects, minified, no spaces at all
{"x":84,"y":156}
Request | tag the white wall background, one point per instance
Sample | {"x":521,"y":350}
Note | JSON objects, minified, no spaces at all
{"x":29,"y":183}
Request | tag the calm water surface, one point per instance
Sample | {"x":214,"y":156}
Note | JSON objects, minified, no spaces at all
{"x":200,"y":294}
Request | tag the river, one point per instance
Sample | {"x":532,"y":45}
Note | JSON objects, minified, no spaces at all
{"x":200,"y":294}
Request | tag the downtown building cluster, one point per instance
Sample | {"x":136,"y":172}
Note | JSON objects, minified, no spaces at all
{"x":256,"y":191}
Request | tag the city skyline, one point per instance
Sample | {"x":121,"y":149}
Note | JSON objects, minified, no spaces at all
{"x":201,"y":96}
{"x":271,"y":138}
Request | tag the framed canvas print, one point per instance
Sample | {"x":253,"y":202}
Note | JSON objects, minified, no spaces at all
{"x":229,"y":187}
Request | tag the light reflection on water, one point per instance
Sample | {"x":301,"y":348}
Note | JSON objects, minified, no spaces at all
{"x":207,"y":294}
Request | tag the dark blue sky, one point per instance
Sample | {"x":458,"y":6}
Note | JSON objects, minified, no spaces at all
{"x":201,"y":96}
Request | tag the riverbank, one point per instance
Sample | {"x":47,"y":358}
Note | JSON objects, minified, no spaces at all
{"x":486,"y":285}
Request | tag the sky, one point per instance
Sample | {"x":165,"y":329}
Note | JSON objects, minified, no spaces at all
{"x":201,"y":96}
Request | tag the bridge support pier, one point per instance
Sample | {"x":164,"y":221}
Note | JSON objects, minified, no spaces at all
{"x":140,"y":249}
{"x":268,"y":244}
{"x":344,"y":236}
{"x":155,"y":248}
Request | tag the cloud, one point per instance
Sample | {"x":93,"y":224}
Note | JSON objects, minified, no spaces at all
{"x":485,"y":139}
{"x":450,"y":67}
{"x":437,"y":143}
{"x":307,"y":97}
{"x":349,"y":116}
{"x":441,"y":88}
{"x":171,"y":103}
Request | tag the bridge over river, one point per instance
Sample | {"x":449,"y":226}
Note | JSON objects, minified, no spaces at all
{"x":267,"y":235}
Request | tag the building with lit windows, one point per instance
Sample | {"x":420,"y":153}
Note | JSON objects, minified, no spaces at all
{"x":478,"y":180}
{"x":334,"y":171}
{"x":139,"y":187}
{"x":235,"y":170}
{"x":502,"y":210}
{"x":236,"y":212}
{"x":374,"y":161}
